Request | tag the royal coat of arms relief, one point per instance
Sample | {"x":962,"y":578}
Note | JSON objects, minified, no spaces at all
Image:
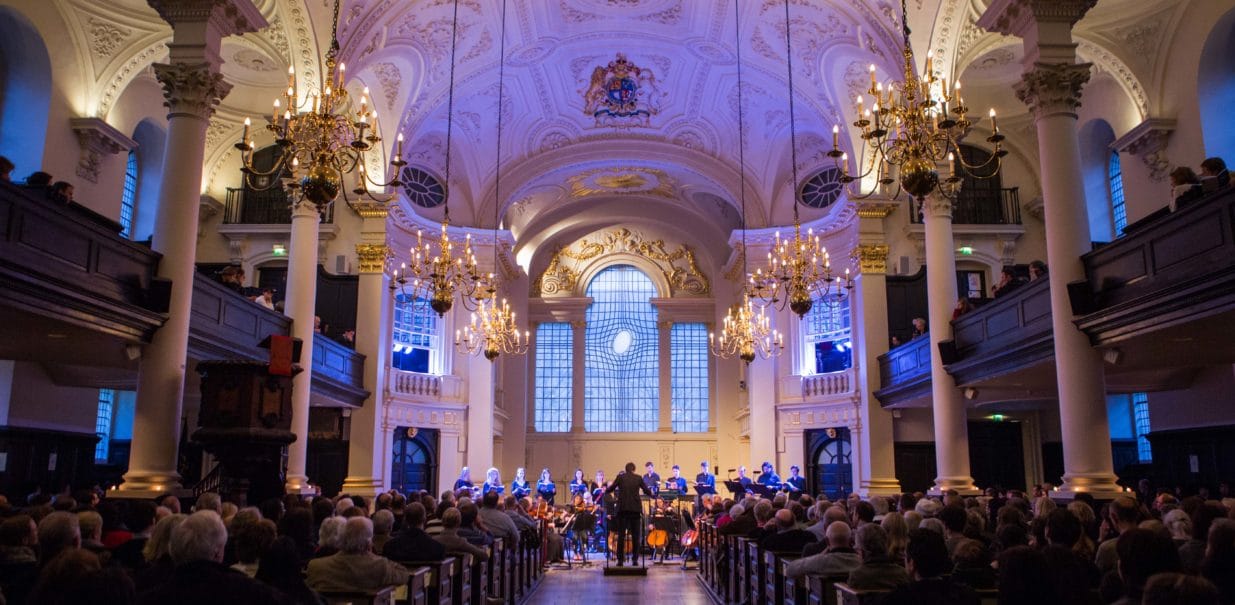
{"x":622,"y":94}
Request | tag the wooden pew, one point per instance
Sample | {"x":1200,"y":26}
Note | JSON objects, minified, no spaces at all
{"x":439,"y":582}
{"x":461,"y":591}
{"x":793,"y":592}
{"x":494,"y":564}
{"x":739,"y":590}
{"x":384,"y":596}
{"x":480,"y":580}
{"x":846,"y":595}
{"x":757,"y":576}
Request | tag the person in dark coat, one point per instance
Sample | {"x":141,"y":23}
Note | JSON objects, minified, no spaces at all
{"x":200,"y":578}
{"x":787,"y":537}
{"x":926,"y":560}
{"x":629,"y":509}
{"x":413,"y":544}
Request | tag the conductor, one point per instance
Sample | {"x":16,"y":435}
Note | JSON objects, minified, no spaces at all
{"x":630,"y":510}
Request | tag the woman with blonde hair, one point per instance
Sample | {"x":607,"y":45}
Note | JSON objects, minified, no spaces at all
{"x":898,"y":535}
{"x":493,"y":482}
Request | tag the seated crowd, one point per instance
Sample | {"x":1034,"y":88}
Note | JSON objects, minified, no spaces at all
{"x":1025,"y":549}
{"x":83,"y":549}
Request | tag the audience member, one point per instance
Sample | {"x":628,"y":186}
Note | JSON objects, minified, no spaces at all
{"x":1192,"y":552}
{"x":1024,"y":577}
{"x":971,"y":565}
{"x":926,"y":561}
{"x":413,"y":544}
{"x":1218,"y":566}
{"x":1008,"y":281}
{"x":1185,"y":187}
{"x":497,"y":522}
{"x":91,"y":524}
{"x":454,"y":543}
{"x":61,"y":192}
{"x":1124,"y":513}
{"x":58,"y":532}
{"x":6,"y":169}
{"x":1143,"y":553}
{"x":280,"y":569}
{"x":328,"y":537}
{"x":838,"y":559}
{"x":898,"y":535}
{"x":787,"y":537}
{"x":1180,"y":589}
{"x":66,"y":569}
{"x":878,"y":571}
{"x":19,"y":566}
{"x":1037,"y":270}
{"x":355,"y":568}
{"x":471,"y":528}
{"x":251,"y":542}
{"x":963,"y":306}
{"x":1215,"y":169}
{"x":157,"y":553}
{"x":140,"y":520}
{"x":383,"y":527}
{"x":919,"y":327}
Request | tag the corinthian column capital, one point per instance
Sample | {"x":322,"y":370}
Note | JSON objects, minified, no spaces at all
{"x":1053,"y":88}
{"x":191,"y":89}
{"x":372,"y":257}
{"x":937,"y":207}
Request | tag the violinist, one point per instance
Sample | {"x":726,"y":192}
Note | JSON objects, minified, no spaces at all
{"x":545,"y":486}
{"x":578,"y":485}
{"x":676,"y":482}
{"x":519,"y":487}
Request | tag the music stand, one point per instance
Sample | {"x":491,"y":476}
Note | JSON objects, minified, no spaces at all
{"x":764,"y":491}
{"x":584,"y":523}
{"x":736,"y":488}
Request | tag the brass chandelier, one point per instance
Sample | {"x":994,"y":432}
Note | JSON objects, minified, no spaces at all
{"x":799,"y":270}
{"x":912,"y":127}
{"x":438,"y":270}
{"x":493,"y":328}
{"x":747,"y":330}
{"x":320,"y":141}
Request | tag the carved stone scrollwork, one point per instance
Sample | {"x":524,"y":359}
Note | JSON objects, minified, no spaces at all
{"x":1148,"y":142}
{"x":1052,"y":88}
{"x":937,"y":207}
{"x":98,"y":140}
{"x":372,"y":257}
{"x":191,"y":89}
{"x":872,"y":258}
{"x":678,"y":266}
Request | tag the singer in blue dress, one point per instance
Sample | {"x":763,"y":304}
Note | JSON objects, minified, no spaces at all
{"x":578,"y":485}
{"x":493,"y":483}
{"x":545,"y":487}
{"x":464,"y":480}
{"x":519,"y":487}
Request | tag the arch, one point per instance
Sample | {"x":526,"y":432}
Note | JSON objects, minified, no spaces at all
{"x":25,"y":91}
{"x":829,"y":469}
{"x":1096,"y":137}
{"x":151,"y":140}
{"x":645,"y":266}
{"x":1216,"y":88}
{"x":413,"y":459}
{"x":621,"y":353}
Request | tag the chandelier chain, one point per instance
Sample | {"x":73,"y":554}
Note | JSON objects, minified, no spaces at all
{"x":793,"y":131}
{"x":737,"y":44}
{"x":450,"y":106}
{"x":333,"y":53}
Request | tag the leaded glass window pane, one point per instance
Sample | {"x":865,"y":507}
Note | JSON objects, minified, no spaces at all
{"x":1118,"y":209}
{"x":621,"y":380}
{"x":415,"y":334}
{"x":827,"y":337}
{"x":688,"y":346}
{"x":102,"y":423}
{"x":1140,"y":411}
{"x":554,"y":377}
{"x":128,"y":196}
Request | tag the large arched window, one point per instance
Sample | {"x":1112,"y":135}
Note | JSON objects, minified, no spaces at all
{"x":415,"y":339}
{"x":1216,"y":88}
{"x":622,"y":375}
{"x":1115,"y":176}
{"x":826,"y":335}
{"x":150,"y":139}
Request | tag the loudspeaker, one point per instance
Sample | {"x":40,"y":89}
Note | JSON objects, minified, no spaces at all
{"x":340,"y":264}
{"x":159,"y":295}
{"x":947,"y":352}
{"x":903,"y":266}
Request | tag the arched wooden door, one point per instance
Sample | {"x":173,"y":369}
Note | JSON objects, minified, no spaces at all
{"x":413,"y":464}
{"x":830,"y":470}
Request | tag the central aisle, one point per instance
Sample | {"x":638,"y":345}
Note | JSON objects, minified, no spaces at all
{"x":666,"y":584}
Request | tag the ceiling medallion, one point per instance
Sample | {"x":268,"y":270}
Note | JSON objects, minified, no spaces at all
{"x":622,"y":94}
{"x":622,"y":181}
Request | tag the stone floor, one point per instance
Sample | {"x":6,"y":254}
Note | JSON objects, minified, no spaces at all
{"x":664,"y":584}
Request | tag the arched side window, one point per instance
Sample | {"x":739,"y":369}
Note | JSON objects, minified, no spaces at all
{"x":1115,"y":178}
{"x":554,"y":377}
{"x":150,"y":138}
{"x":25,"y":92}
{"x":416,"y":335}
{"x":826,"y":334}
{"x":128,"y":197}
{"x":621,"y":358}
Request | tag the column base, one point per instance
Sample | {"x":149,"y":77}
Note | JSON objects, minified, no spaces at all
{"x":963,"y":486}
{"x":886,"y":486}
{"x":363,"y":486}
{"x":1102,"y":486}
{"x":299,"y":485}
{"x":148,"y":484}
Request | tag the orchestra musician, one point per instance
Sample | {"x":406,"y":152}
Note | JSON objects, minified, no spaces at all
{"x":519,"y":487}
{"x":676,"y":481}
{"x":493,"y":482}
{"x":599,"y":486}
{"x":651,"y":479}
{"x":464,"y":480}
{"x":768,"y":476}
{"x":545,"y":487}
{"x":629,"y":510}
{"x":795,"y":481}
{"x":578,"y":485}
{"x":705,"y":482}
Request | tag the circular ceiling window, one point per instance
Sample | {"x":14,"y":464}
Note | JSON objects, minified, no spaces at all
{"x":821,"y":190}
{"x":622,"y":342}
{"x":422,"y":188}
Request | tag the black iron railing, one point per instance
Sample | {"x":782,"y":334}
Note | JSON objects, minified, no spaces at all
{"x":268,"y":207}
{"x":983,"y":207}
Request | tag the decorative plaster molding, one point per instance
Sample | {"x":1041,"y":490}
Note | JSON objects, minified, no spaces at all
{"x":561,"y":280}
{"x":191,"y":89}
{"x":1014,"y":17}
{"x":98,"y":140}
{"x":369,"y":208}
{"x":372,"y":257}
{"x":876,"y":209}
{"x":1148,"y":142}
{"x":229,"y":17}
{"x":872,"y":258}
{"x":1053,"y":88}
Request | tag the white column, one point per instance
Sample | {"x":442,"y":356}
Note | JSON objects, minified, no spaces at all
{"x":1053,"y":92}
{"x":664,"y":334}
{"x":876,"y":452}
{"x":761,"y":390}
{"x":480,"y":375}
{"x":300,"y":305}
{"x":367,"y":454}
{"x":192,"y":85}
{"x":1051,"y":87}
{"x":951,"y":424}
{"x":449,"y":460}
